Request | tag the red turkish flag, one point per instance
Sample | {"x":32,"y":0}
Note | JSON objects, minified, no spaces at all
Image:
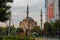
{"x":50,"y":11}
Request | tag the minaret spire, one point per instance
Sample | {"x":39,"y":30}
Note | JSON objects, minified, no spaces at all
{"x":41,"y":18}
{"x":27,"y":11}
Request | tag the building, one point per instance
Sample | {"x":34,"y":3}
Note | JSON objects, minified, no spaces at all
{"x":28,"y":22}
{"x":52,"y":8}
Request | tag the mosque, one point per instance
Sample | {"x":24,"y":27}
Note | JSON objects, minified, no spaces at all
{"x":27,"y":22}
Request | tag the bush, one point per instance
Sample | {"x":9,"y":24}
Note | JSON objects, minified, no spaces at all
{"x":1,"y":38}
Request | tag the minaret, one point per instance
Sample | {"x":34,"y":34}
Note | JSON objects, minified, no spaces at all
{"x":41,"y":18}
{"x":27,"y":12}
{"x":41,"y":21}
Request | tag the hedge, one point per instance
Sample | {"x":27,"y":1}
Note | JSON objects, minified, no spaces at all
{"x":15,"y":38}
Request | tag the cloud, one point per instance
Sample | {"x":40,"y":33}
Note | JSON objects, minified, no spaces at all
{"x":34,"y":2}
{"x":3,"y":24}
{"x":24,"y":2}
{"x":19,"y":2}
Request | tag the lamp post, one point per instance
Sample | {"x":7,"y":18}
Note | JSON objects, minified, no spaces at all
{"x":9,"y":24}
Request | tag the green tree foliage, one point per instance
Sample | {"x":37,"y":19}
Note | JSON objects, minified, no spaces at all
{"x":19,"y":30}
{"x":13,"y":30}
{"x":4,"y":31}
{"x":52,"y":28}
{"x":0,"y":30}
{"x":4,"y":13}
{"x":47,"y":28}
{"x":56,"y":27}
{"x":36,"y":29}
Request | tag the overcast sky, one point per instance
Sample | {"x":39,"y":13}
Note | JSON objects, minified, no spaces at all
{"x":18,"y":10}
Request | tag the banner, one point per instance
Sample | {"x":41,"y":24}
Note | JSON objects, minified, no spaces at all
{"x":50,"y":11}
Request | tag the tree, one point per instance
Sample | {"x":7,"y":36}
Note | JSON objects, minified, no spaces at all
{"x":19,"y":31}
{"x":1,"y":30}
{"x":47,"y":28}
{"x":12,"y":30}
{"x":4,"y":10}
{"x":4,"y":31}
{"x":52,"y":28}
{"x":56,"y":27}
{"x":36,"y":29}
